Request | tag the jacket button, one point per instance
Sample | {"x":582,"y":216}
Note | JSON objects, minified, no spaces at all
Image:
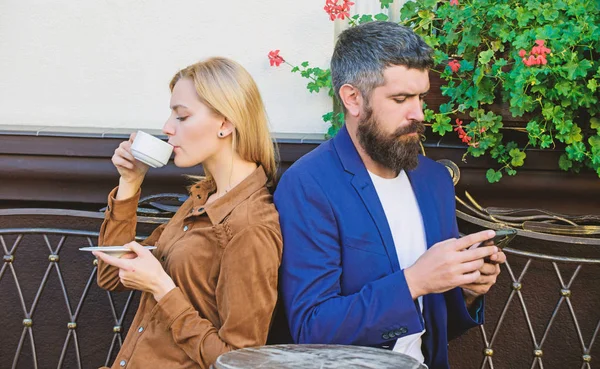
{"x":403,"y":330}
{"x":140,"y":329}
{"x":123,"y":362}
{"x":185,"y":228}
{"x":385,"y":336}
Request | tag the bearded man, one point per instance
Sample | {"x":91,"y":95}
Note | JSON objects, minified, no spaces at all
{"x":372,"y":254}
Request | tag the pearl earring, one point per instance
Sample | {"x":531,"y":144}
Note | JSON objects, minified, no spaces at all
{"x":220,"y":134}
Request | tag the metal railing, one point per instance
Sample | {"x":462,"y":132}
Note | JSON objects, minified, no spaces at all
{"x":16,"y":248}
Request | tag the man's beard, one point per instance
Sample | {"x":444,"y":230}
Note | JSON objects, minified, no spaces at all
{"x":392,"y":151}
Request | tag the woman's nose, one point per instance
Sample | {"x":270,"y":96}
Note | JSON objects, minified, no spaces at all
{"x":169,"y":128}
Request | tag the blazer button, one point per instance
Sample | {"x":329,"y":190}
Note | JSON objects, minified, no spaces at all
{"x":185,"y":228}
{"x":385,"y":336}
{"x":123,"y":362}
{"x":403,"y":330}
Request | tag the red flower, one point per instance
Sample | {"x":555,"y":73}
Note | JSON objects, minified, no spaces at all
{"x":461,"y":132}
{"x":454,"y":2}
{"x":537,"y":56}
{"x":541,"y":59}
{"x":482,"y":130}
{"x":454,"y":65}
{"x":275,"y":59}
{"x":335,"y":10}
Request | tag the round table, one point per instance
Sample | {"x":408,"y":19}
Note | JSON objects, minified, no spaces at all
{"x":315,"y":356}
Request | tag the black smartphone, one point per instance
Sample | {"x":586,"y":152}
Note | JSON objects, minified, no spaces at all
{"x":500,"y":239}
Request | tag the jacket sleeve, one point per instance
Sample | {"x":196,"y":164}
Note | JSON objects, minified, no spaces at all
{"x":311,"y":272}
{"x":118,"y":228}
{"x":246,"y":294}
{"x":460,"y":319}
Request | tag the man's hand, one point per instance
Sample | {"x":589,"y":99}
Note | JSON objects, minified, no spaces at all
{"x":489,"y":272}
{"x":140,"y":270}
{"x":449,"y":264}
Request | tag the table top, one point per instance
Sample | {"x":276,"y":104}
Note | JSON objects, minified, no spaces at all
{"x":316,"y":356}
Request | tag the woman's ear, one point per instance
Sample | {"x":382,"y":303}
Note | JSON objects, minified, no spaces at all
{"x":226,"y":129}
{"x":352,"y":99}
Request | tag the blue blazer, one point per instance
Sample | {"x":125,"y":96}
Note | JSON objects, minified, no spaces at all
{"x":341,"y":282}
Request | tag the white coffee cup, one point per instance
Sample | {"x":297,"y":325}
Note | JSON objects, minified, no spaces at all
{"x":151,"y":150}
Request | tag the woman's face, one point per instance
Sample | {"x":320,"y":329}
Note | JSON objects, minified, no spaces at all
{"x":193,"y":129}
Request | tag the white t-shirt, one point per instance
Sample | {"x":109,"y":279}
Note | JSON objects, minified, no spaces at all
{"x":404,"y":218}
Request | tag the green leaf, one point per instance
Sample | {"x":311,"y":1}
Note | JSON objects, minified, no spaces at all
{"x":429,"y":115}
{"x":381,"y":17}
{"x":366,"y":18}
{"x":485,"y":56}
{"x":466,"y":66}
{"x":545,"y":141}
{"x":594,"y":141}
{"x":592,"y":85}
{"x":493,"y":176}
{"x":304,"y":64}
{"x":518,"y":157}
{"x":446,"y":108}
{"x":524,"y":16}
{"x":408,"y":10}
{"x":442,"y":124}
{"x":595,"y":124}
{"x":564,"y":163}
{"x":385,"y":3}
{"x":295,"y":69}
{"x":533,"y":128}
{"x":576,"y":151}
{"x":510,"y":171}
{"x":574,"y":135}
{"x":332,"y":131}
{"x":577,"y":68}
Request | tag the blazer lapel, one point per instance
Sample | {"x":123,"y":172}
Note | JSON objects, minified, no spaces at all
{"x":426,"y":200}
{"x":361,"y":181}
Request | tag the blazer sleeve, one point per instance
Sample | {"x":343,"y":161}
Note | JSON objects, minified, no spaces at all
{"x":460,"y":319}
{"x":317,"y":310}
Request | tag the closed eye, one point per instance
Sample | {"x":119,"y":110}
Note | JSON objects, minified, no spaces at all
{"x":181,"y":119}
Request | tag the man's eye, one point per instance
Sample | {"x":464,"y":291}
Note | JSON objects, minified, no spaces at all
{"x":399,"y":101}
{"x":181,"y":119}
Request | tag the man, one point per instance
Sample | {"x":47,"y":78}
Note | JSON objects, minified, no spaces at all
{"x":371,"y":249}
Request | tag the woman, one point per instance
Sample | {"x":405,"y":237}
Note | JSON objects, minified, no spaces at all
{"x":211,"y":285}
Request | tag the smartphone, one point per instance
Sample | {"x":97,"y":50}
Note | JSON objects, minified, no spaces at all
{"x":501,"y":239}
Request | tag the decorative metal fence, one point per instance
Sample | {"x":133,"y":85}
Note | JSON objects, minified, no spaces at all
{"x":24,"y":301}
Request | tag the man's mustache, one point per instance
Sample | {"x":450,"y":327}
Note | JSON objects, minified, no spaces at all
{"x":415,"y":126}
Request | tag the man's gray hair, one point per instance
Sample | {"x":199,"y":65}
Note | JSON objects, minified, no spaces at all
{"x":363,"y":52}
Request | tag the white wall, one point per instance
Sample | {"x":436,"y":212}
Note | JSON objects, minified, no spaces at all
{"x":107,"y":63}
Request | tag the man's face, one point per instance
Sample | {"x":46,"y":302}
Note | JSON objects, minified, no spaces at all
{"x":390,"y":128}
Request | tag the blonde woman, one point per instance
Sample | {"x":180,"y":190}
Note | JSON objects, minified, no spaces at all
{"x":211,"y":285}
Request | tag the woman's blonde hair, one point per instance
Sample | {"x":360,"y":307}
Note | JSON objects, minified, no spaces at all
{"x":230,"y":91}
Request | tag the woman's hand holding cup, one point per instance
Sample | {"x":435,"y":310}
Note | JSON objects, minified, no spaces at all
{"x":131,"y":170}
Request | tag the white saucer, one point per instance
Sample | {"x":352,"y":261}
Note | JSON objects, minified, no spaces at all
{"x":148,"y":160}
{"x":116,"y":251}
